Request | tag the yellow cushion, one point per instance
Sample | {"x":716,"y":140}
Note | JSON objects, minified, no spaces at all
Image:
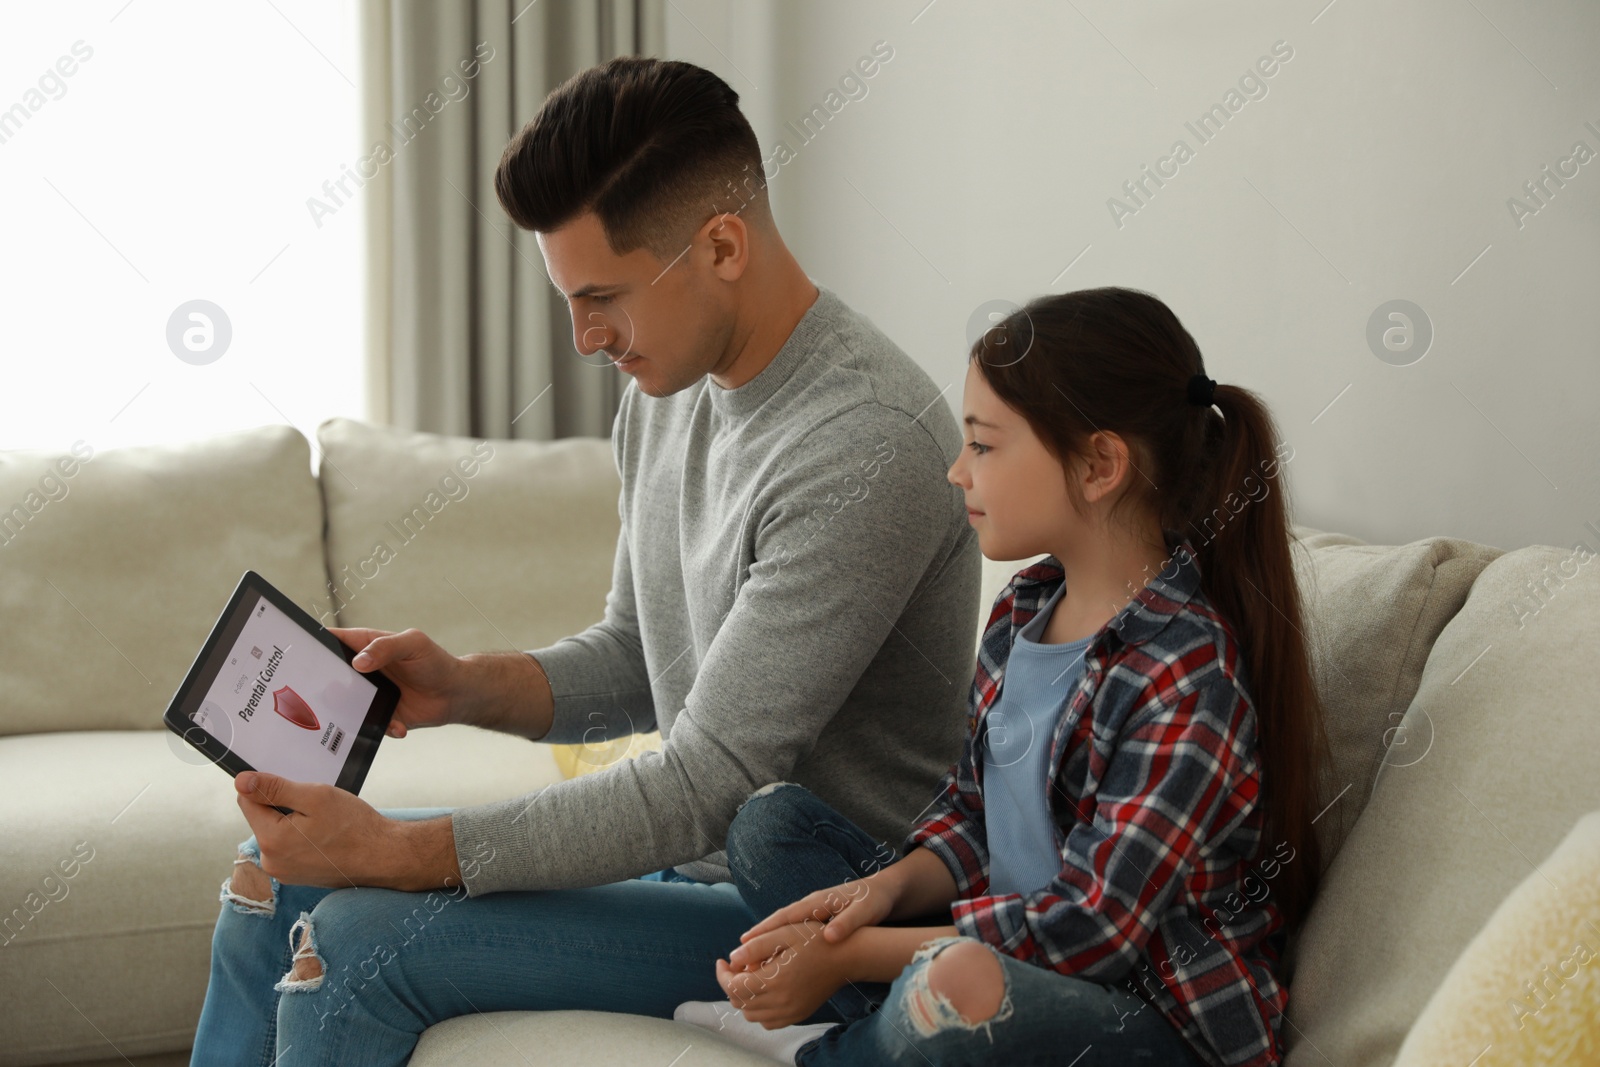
{"x":1526,"y":990}
{"x":574,"y":760}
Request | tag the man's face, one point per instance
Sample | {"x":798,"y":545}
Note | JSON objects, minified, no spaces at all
{"x":649,"y":317}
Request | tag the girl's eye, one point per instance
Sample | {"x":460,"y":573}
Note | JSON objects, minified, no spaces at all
{"x":976,"y":447}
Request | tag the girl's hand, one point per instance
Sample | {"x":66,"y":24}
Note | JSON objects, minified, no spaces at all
{"x":844,"y":908}
{"x":795,"y":970}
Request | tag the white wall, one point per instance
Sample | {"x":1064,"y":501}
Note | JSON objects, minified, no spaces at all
{"x":1377,"y":166}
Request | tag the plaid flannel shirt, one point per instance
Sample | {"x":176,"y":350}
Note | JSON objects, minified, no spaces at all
{"x":1155,"y":784}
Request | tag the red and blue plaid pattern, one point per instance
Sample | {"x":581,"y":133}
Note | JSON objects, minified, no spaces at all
{"x":1155,"y":789}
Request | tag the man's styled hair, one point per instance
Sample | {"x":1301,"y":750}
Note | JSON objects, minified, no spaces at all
{"x":653,"y":147}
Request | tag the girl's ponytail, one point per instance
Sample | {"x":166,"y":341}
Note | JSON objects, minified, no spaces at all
{"x":1240,"y":531}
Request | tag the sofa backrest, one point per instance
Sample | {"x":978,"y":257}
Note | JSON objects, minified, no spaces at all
{"x":1373,"y":613}
{"x":1496,"y":768}
{"x":114,"y":565}
{"x":483,"y":545}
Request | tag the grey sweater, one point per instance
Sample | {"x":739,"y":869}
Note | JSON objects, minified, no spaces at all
{"x":794,"y":598}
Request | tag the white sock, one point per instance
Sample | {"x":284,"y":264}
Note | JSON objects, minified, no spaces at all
{"x":720,"y":1016}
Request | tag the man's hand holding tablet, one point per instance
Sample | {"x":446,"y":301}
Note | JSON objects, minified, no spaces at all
{"x":504,"y":691}
{"x":330,"y":822}
{"x":296,"y":710}
{"x":337,"y":839}
{"x":430,"y":679}
{"x":333,"y":838}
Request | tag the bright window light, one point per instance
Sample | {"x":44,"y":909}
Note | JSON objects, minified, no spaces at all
{"x":156,"y":157}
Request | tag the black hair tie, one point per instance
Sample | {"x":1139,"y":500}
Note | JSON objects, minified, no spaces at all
{"x":1201,"y":390}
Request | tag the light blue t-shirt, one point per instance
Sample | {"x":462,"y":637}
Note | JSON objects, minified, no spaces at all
{"x":1023,"y":855}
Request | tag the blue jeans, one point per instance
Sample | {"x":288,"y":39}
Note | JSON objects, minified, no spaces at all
{"x":396,"y":963}
{"x":785,"y":843}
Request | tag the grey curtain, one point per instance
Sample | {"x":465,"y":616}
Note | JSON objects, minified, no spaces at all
{"x":466,"y":335}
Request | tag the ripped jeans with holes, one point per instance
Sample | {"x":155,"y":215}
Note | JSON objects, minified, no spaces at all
{"x":353,"y":977}
{"x":262,"y":939}
{"x":786,"y":842}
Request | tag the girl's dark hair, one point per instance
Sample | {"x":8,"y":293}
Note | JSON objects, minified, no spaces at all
{"x":654,"y":147}
{"x":1118,"y":360}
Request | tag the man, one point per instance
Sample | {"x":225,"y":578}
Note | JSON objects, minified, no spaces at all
{"x":793,"y":599}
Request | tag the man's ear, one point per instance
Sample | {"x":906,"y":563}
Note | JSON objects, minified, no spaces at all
{"x":727,"y":235}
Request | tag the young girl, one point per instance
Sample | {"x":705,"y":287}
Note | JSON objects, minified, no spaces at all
{"x":1120,"y":851}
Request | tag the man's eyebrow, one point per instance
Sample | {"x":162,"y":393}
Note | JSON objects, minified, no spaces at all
{"x":595,"y":287}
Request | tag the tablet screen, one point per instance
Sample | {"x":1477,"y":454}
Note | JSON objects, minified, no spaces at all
{"x":268,"y":692}
{"x":290,"y":703}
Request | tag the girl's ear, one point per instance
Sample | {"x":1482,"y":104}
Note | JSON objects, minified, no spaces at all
{"x":1108,"y":465}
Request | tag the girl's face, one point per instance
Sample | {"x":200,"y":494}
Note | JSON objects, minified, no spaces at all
{"x":1016,"y":489}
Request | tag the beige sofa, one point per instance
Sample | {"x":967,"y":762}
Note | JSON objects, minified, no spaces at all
{"x":1461,"y":702}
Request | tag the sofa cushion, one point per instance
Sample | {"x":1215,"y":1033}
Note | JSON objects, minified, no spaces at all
{"x":114,"y":849}
{"x":559,"y":1038}
{"x":108,"y":589}
{"x":452,"y":535}
{"x":1502,"y":733}
{"x":1373,"y":613}
{"x":514,"y":555}
{"x":1546,"y":932}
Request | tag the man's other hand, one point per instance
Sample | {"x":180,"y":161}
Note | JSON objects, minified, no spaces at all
{"x":335,"y":839}
{"x":428,"y":676}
